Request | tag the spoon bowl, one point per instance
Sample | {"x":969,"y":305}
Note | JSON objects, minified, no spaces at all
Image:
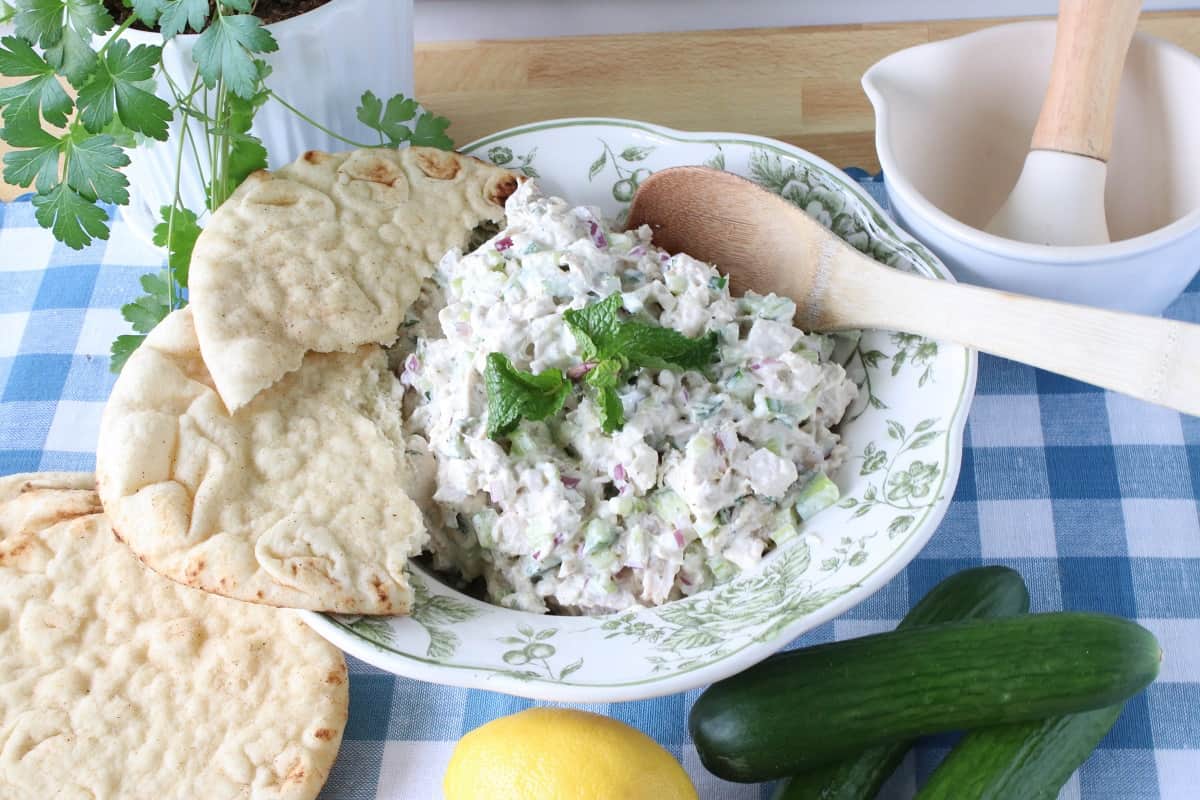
{"x":766,"y":244}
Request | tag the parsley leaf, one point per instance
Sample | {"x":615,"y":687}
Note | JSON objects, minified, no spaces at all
{"x":122,"y":349}
{"x":63,"y":29}
{"x":113,"y":90}
{"x":224,"y":52}
{"x":36,"y":162}
{"x":177,"y":15}
{"x":93,"y":164}
{"x":41,"y":95}
{"x":514,"y":394}
{"x":179,"y":236}
{"x":74,"y":219}
{"x":390,"y":122}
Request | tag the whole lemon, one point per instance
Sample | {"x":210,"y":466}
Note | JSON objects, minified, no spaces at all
{"x":560,"y":754}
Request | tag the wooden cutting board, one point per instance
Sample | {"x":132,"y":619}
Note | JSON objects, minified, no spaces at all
{"x":800,"y":85}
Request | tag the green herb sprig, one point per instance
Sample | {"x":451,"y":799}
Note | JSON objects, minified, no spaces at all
{"x":71,"y":152}
{"x":613,"y":350}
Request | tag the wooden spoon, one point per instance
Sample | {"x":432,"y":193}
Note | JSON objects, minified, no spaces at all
{"x":766,"y":244}
{"x":1059,"y":198}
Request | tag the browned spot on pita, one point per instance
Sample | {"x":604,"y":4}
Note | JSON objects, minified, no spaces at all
{"x":336,"y":678}
{"x":316,"y":157}
{"x":192,"y":573}
{"x":380,"y":591}
{"x":324,"y":734}
{"x":374,"y":168}
{"x":500,"y":190}
{"x":10,"y":555}
{"x":439,"y":165}
{"x":295,"y":772}
{"x":117,"y":534}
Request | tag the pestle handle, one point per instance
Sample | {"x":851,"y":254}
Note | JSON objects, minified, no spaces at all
{"x":1090,"y":44}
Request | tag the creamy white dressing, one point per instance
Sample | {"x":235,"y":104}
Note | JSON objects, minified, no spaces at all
{"x":709,"y":471}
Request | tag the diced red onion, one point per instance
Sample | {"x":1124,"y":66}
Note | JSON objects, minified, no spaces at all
{"x":679,"y":537}
{"x":412,"y":363}
{"x":569,"y":481}
{"x":504,"y":244}
{"x":619,"y":472}
{"x":598,"y":237}
{"x":637,"y":251}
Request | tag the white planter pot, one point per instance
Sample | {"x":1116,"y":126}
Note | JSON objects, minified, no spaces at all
{"x":326,"y":59}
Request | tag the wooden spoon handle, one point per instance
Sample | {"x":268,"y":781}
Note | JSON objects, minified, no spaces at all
{"x":1146,"y":357}
{"x":1090,"y":44}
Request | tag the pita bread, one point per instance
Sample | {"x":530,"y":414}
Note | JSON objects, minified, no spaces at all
{"x":327,"y":254}
{"x":296,"y":500}
{"x":118,"y":683}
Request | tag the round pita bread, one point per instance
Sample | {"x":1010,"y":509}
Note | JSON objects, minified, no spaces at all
{"x":297,"y":500}
{"x":327,"y":254}
{"x":118,"y":683}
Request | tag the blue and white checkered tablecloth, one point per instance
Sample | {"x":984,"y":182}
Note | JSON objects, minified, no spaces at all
{"x":1092,"y":496}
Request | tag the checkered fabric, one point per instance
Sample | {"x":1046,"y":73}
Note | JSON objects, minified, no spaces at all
{"x":1092,"y":496}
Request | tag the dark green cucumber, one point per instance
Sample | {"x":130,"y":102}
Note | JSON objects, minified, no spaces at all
{"x":807,"y":707}
{"x":1029,"y":760}
{"x":979,"y":593}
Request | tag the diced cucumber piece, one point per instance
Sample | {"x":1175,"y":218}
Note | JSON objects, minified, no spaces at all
{"x":598,"y":535}
{"x":817,"y":495}
{"x":741,"y":385}
{"x":484,"y":524}
{"x":668,"y":505}
{"x":521,"y":441}
{"x":722,"y":570}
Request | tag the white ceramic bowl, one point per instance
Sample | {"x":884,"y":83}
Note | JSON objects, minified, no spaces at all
{"x":953,"y":123}
{"x":904,"y":437}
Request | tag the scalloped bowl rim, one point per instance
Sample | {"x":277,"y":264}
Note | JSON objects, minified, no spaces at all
{"x":552,"y":691}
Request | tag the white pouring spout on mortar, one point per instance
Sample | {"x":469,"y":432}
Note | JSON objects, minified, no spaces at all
{"x":1059,"y":198}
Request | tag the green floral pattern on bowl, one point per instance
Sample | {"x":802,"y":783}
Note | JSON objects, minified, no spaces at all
{"x":904,"y":435}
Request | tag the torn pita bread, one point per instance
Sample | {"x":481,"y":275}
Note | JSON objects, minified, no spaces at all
{"x":327,"y":254}
{"x":118,"y":683}
{"x":297,"y":500}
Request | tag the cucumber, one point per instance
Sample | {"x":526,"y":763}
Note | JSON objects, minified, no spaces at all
{"x":807,"y":707}
{"x":971,"y":594}
{"x":1029,"y":760}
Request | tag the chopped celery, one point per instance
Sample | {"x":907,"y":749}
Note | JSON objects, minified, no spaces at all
{"x":740,"y":385}
{"x":817,"y":495}
{"x":722,"y":570}
{"x":787,"y":526}
{"x":484,"y":523}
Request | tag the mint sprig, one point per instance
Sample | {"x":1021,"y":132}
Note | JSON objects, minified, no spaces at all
{"x":613,"y":349}
{"x":514,"y":395}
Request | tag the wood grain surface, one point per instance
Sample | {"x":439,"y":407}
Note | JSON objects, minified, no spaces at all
{"x":800,"y":85}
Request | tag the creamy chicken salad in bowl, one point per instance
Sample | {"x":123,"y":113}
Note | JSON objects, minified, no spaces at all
{"x":634,"y":481}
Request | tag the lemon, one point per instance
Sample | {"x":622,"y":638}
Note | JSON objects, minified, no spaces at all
{"x":561,"y":754}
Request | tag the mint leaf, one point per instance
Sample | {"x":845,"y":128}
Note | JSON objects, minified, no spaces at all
{"x":93,"y":164}
{"x":122,"y":349}
{"x":595,"y":326}
{"x":74,"y":219}
{"x":603,"y":334}
{"x":40,"y":96}
{"x":113,"y":90}
{"x":663,"y":348}
{"x":612,"y":413}
{"x":225,"y":52}
{"x":178,"y":234}
{"x":514,"y":395}
{"x":179,"y":15}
